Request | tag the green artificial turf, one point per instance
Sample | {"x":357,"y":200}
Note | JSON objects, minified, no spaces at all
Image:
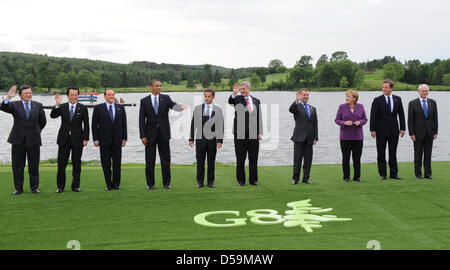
{"x":408,"y":214}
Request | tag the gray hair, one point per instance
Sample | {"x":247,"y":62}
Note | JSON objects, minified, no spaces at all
{"x":246,"y":83}
{"x":423,"y":84}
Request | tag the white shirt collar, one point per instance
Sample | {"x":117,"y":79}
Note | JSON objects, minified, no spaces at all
{"x":422,"y":99}
{"x":153,"y":96}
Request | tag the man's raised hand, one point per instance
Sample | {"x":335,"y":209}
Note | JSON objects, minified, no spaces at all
{"x":12,"y":92}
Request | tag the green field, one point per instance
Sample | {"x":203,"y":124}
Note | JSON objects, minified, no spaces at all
{"x":408,"y":214}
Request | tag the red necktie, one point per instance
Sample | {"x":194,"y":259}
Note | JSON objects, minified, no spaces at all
{"x":249,"y":106}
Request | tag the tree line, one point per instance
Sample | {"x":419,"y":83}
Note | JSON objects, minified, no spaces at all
{"x":47,"y":72}
{"x":336,"y":71}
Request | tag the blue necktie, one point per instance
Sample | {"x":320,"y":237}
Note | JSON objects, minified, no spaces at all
{"x":111,"y":115}
{"x":71,"y":112}
{"x":307,"y":109}
{"x":425,"y":108}
{"x":27,"y":110}
{"x":155,"y":105}
{"x":389,"y":104}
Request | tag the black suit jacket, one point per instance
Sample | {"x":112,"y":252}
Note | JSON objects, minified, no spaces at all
{"x":26,"y":130}
{"x":418,"y":125}
{"x":254,"y":119}
{"x":78,"y":127}
{"x":107,"y":131}
{"x":383,"y":121}
{"x":215,"y":124}
{"x":305,"y":129}
{"x":149,"y":120}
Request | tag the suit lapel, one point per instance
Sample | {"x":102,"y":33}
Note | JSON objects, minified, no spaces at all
{"x":33,"y":109}
{"x":150,"y":100}
{"x":22,"y":109}
{"x":77,"y":110}
{"x":430,"y":107}
{"x":117,"y":111}
{"x":66,"y":110}
{"x":159,"y":103}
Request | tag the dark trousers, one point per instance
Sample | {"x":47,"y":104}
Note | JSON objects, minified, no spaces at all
{"x":422,"y":151}
{"x":242,"y":147}
{"x":19,"y":154}
{"x":114,"y":153}
{"x":302,"y":151}
{"x":205,"y":149}
{"x":63,"y":157}
{"x":353,"y":148}
{"x":381,"y":155}
{"x":164,"y":156}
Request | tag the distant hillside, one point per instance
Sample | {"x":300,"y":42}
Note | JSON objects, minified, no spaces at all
{"x":48,"y":72}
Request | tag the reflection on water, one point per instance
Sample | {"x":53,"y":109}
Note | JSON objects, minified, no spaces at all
{"x":276,"y":147}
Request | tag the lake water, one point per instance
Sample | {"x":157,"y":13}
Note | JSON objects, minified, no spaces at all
{"x":276,"y":146}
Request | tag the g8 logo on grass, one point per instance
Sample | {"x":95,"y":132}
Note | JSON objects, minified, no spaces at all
{"x":302,"y":214}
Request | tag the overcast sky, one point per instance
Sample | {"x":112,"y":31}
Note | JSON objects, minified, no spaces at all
{"x":228,"y":33}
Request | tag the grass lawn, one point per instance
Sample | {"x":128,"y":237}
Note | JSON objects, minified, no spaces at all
{"x":408,"y":214}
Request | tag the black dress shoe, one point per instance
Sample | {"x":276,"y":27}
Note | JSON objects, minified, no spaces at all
{"x":59,"y":190}
{"x":118,"y":188}
{"x":357,"y":180}
{"x":396,"y":177}
{"x":107,"y":188}
{"x":382,"y":177}
{"x":418,"y":177}
{"x":167,"y":187}
{"x":17,"y":192}
{"x":200,"y":185}
{"x":294,"y":182}
{"x":307,"y":182}
{"x":428,"y":177}
{"x":76,"y":189}
{"x":150,"y":187}
{"x":211,"y":185}
{"x":241,"y":184}
{"x":35,"y":191}
{"x":254,"y":184}
{"x":346,"y":179}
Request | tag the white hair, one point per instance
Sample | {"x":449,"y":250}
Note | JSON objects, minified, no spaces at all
{"x":246,"y":83}
{"x":423,"y":84}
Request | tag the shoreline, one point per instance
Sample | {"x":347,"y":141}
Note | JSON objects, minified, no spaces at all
{"x":132,"y":91}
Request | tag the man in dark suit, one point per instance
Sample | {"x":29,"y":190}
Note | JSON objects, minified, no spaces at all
{"x":154,"y":129}
{"x":423,"y":129}
{"x":207,"y":127}
{"x":305,"y":135}
{"x":25,"y":136}
{"x":384,"y":127}
{"x":247,"y":130}
{"x":109,"y":131}
{"x":73,"y":135}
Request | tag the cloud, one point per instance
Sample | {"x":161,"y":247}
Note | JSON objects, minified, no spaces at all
{"x":229,"y":33}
